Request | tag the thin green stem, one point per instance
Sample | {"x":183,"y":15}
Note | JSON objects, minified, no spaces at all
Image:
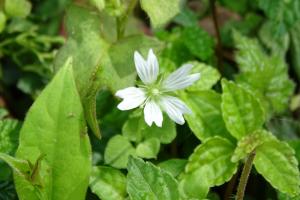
{"x":244,"y":177}
{"x":217,"y":29}
{"x":122,"y":20}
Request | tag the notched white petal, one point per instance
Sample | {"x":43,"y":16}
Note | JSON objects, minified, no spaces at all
{"x":153,"y":67}
{"x":148,"y":69}
{"x":140,"y":66}
{"x":133,"y":97}
{"x":152,"y":113}
{"x":175,"y":108}
{"x":181,"y":78}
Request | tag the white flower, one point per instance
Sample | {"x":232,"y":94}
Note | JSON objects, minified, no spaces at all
{"x":154,"y":94}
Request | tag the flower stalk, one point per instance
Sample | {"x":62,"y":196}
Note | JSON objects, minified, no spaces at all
{"x":245,"y":176}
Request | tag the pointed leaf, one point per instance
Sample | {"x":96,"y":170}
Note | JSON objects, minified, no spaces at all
{"x":242,"y":112}
{"x":276,"y":162}
{"x":206,"y":120}
{"x":54,"y":127}
{"x":146,"y":181}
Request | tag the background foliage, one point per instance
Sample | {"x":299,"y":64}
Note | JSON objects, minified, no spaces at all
{"x":62,"y":136}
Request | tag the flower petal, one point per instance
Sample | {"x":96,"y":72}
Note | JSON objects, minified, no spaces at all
{"x":175,"y":108}
{"x":133,"y":97}
{"x":146,"y":70}
{"x":152,"y":113}
{"x":180,"y":78}
{"x":153,"y":67}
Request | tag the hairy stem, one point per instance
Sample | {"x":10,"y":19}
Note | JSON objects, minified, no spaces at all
{"x":216,"y":26}
{"x":122,"y":20}
{"x":244,"y":177}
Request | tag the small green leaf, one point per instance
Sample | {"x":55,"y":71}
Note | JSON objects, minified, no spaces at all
{"x":17,"y":8}
{"x":9,"y":134}
{"x":117,"y":151}
{"x":148,"y":148}
{"x":99,"y":4}
{"x":276,"y":162}
{"x":108,"y":183}
{"x":242,"y":112}
{"x":54,"y":127}
{"x":136,"y":129}
{"x":249,"y":143}
{"x":209,"y":77}
{"x":174,"y":166}
{"x":199,"y":42}
{"x":206,"y":119}
{"x":21,"y":167}
{"x":160,"y":11}
{"x":146,"y":181}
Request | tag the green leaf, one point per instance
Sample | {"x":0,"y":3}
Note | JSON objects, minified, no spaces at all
{"x":206,"y":120}
{"x":99,"y":4}
{"x":17,"y":8}
{"x":86,"y":47}
{"x":117,"y":151}
{"x":174,"y":166}
{"x":108,"y":183}
{"x":160,"y":11}
{"x":242,"y":112}
{"x":9,"y":134}
{"x":21,"y":167}
{"x":146,"y":181}
{"x":136,"y":129}
{"x":148,"y":148}
{"x":199,"y":42}
{"x":212,"y":158}
{"x":54,"y":132}
{"x":209,"y":77}
{"x":276,"y":162}
{"x":249,"y":143}
{"x":208,"y":166}
{"x":274,"y":88}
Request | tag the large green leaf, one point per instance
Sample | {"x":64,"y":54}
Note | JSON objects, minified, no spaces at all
{"x":242,"y":112}
{"x":54,"y":132}
{"x":274,"y":88}
{"x":276,"y":162}
{"x":161,"y":11}
{"x":206,"y":119}
{"x":108,"y":183}
{"x":208,"y":166}
{"x":146,"y":181}
{"x":117,"y":151}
